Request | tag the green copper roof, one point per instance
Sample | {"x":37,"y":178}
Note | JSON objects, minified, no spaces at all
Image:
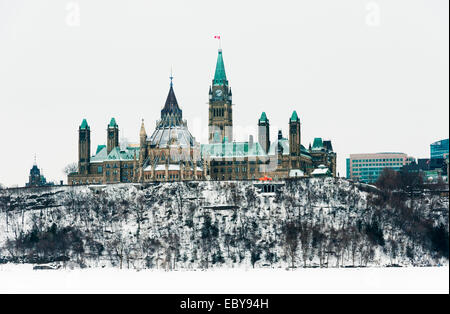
{"x":220,"y":78}
{"x":100,"y":155}
{"x":84,"y":125}
{"x":294,"y":116}
{"x":115,"y":155}
{"x":317,"y":143}
{"x":244,"y":149}
{"x":112,"y":123}
{"x":99,"y":148}
{"x":263,"y":117}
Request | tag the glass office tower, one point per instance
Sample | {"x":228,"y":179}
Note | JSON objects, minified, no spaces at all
{"x":439,"y":149}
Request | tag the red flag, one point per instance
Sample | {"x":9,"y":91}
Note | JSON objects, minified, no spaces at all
{"x":217,"y":37}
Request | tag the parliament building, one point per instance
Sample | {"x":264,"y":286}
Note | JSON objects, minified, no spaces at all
{"x":171,"y":153}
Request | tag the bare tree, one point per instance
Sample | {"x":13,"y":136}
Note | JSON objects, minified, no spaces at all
{"x":5,"y":200}
{"x":388,"y":180}
{"x":150,"y":248}
{"x":305,"y":234}
{"x":291,"y":236}
{"x":70,"y":168}
{"x":116,"y":246}
{"x":139,"y":210}
{"x":354,"y":243}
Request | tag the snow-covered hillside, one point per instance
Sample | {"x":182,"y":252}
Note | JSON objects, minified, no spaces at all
{"x":198,"y":225}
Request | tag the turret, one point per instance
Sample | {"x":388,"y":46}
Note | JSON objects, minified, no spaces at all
{"x":142,"y":146}
{"x":142,"y":135}
{"x":264,"y":132}
{"x":279,"y":146}
{"x":84,"y":147}
{"x":294,"y":135}
{"x":112,"y":135}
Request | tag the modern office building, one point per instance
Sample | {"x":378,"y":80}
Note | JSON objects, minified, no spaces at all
{"x":430,"y":169}
{"x":368,"y":167}
{"x":439,"y":149}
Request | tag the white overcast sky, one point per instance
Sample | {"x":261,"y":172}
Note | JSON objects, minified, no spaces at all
{"x":371,"y":76}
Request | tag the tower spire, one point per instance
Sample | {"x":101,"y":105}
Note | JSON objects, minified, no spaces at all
{"x":142,"y":132}
{"x":171,"y":108}
{"x":142,"y":136}
{"x":220,"y":77}
{"x":220,"y":105}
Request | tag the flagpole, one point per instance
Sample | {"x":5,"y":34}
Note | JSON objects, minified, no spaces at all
{"x":220,"y":41}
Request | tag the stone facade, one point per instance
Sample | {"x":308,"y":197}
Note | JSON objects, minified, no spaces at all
{"x":172,"y":154}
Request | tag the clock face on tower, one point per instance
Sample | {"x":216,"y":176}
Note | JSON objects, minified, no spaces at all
{"x":219,"y":93}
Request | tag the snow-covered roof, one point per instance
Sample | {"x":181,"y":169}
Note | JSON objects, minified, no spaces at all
{"x":149,"y":168}
{"x":167,"y":136}
{"x":296,"y":173}
{"x":320,"y":171}
{"x":174,"y":167}
{"x":116,"y":154}
{"x":160,"y":168}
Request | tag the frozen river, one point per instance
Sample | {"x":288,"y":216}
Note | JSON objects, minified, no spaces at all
{"x":23,"y":279}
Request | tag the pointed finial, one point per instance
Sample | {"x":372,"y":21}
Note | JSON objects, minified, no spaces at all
{"x":35,"y":159}
{"x":171,"y":76}
{"x":142,"y":132}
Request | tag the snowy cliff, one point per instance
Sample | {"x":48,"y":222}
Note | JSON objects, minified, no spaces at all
{"x":198,"y":225}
